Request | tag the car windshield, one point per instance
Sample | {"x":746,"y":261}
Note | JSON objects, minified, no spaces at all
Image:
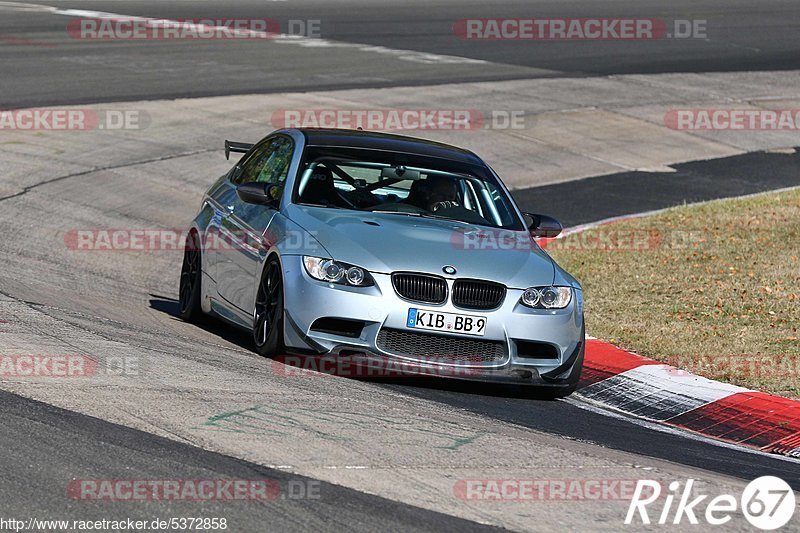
{"x":403,"y":184}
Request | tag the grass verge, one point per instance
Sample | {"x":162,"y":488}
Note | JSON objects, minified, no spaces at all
{"x":713,"y":288}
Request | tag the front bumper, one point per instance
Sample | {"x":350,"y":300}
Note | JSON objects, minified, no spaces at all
{"x":380,"y":308}
{"x":361,"y":364}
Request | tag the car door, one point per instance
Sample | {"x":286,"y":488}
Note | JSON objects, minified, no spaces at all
{"x":244,"y":225}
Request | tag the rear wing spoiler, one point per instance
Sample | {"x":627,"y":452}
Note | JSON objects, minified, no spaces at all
{"x":233,"y":146}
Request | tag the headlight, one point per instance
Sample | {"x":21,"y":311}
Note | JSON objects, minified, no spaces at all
{"x":531,"y":297}
{"x":547,"y":297}
{"x":337,"y":272}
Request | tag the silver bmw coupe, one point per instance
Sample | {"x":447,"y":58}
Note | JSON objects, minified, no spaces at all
{"x":402,"y":251}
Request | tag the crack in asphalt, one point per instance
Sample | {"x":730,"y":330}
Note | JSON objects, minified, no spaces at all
{"x":92,"y":170}
{"x":43,"y":310}
{"x":43,"y":332}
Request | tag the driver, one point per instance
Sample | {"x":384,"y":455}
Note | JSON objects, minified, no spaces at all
{"x":433,"y":193}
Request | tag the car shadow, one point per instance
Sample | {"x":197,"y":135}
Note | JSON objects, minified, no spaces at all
{"x":170,"y":306}
{"x":477,"y":388}
{"x":361,"y":367}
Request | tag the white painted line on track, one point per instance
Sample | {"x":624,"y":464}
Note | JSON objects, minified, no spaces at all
{"x":281,"y":38}
{"x":643,"y":214}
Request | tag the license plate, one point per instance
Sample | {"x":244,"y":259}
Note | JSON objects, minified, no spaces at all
{"x":447,"y":322}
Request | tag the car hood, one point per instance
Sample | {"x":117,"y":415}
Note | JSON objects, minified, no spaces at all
{"x":388,"y":243}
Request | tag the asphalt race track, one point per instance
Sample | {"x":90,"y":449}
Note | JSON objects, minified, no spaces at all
{"x":200,"y":404}
{"x":628,"y":193}
{"x":121,"y":449}
{"x":741,"y":35}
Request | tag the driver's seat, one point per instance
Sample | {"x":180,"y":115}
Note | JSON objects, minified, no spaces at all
{"x":320,"y":188}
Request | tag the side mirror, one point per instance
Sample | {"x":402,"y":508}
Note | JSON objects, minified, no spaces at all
{"x":259,"y":193}
{"x":543,"y":225}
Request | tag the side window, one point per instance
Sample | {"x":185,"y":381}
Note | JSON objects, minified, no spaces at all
{"x":269,"y":164}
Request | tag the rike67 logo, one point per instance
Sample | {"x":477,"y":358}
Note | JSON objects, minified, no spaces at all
{"x":767,"y":502}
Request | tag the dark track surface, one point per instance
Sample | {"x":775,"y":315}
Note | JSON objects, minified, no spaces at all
{"x":44,"y":448}
{"x":562,"y":418}
{"x":54,"y":68}
{"x":592,"y":199}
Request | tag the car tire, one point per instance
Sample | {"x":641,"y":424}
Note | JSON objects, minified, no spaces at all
{"x":268,"y":313}
{"x":190,"y":287}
